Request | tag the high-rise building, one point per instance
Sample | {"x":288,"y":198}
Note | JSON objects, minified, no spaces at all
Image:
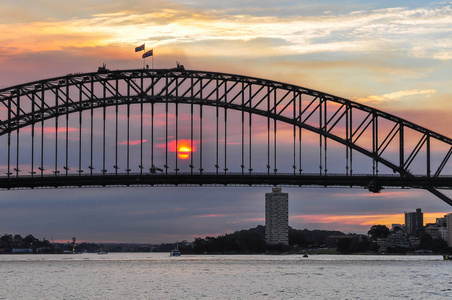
{"x":449,"y":229}
{"x":441,"y":222}
{"x":277,"y":217}
{"x":414,"y":222}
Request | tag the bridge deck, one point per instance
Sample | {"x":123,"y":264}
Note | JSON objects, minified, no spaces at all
{"x":373,"y":183}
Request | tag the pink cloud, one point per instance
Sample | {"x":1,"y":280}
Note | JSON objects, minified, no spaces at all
{"x":384,"y":194}
{"x":133,"y":142}
{"x":52,"y":129}
{"x":211,"y":216}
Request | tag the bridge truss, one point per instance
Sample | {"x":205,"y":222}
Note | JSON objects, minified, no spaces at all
{"x":127,"y":127}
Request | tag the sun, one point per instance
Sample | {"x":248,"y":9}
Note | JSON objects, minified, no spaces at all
{"x":183,"y":152}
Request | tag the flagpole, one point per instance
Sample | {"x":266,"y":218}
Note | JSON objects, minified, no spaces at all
{"x":144,"y":58}
{"x":152,"y":64}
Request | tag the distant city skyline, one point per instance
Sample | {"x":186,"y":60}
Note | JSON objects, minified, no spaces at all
{"x":394,"y":56}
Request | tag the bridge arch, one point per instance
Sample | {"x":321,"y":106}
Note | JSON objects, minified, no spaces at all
{"x":388,"y":141}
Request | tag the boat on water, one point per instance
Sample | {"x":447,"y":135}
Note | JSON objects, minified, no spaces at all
{"x":102,"y":251}
{"x":175,"y":252}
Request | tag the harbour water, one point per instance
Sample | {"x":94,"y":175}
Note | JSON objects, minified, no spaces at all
{"x":158,"y":276}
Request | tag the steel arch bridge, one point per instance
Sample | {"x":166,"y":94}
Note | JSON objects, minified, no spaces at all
{"x":150,"y":127}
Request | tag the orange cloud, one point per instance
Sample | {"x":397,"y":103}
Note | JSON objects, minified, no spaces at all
{"x":365,"y":220}
{"x":353,"y":219}
{"x":395,"y":96}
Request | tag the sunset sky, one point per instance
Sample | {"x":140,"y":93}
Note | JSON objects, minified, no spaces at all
{"x":392,"y":55}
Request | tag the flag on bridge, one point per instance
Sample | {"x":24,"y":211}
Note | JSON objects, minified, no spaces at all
{"x":140,"y":48}
{"x":148,"y":53}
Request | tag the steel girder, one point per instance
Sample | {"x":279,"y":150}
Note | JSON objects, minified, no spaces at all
{"x":213,"y":179}
{"x":356,"y":126}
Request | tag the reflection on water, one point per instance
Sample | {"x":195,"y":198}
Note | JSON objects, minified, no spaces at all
{"x":158,"y":276}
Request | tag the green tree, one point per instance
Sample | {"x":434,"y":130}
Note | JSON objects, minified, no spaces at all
{"x":436,"y":245}
{"x":30,"y":241}
{"x":297,"y":237}
{"x":344,"y":245}
{"x":7,"y":239}
{"x":378,"y":231}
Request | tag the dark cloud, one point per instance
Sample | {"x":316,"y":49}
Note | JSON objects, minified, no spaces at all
{"x":125,"y":214}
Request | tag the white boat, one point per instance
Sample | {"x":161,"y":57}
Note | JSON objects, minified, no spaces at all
{"x":175,"y":252}
{"x":102,"y":251}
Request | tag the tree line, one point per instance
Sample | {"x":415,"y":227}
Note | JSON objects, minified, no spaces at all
{"x":250,"y":241}
{"x":9,"y":242}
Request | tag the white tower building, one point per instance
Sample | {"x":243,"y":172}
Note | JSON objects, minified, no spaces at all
{"x":449,"y":229}
{"x":277,"y":217}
